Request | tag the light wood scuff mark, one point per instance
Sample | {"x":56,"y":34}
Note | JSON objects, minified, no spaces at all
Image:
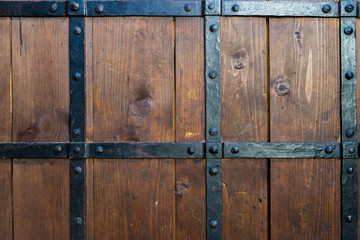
{"x":309,"y":78}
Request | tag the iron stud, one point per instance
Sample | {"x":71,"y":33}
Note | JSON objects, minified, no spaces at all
{"x":348,"y":218}
{"x":76,"y":150}
{"x":213,"y":224}
{"x":349,"y":8}
{"x":348,"y":30}
{"x":213,"y":171}
{"x":213,"y":150}
{"x":235,"y":8}
{"x":213,"y":28}
{"x":74,"y":6}
{"x":191,"y":150}
{"x":349,"y":133}
{"x":212,"y":74}
{"x":349,"y":75}
{"x":53,"y":8}
{"x":329,"y":150}
{"x":76,"y":132}
{"x":76,"y":76}
{"x":78,"y":221}
{"x":58,"y":149}
{"x":99,"y":8}
{"x":351,"y":150}
{"x":350,"y":170}
{"x":235,"y":150}
{"x":78,"y":170}
{"x":99,"y":150}
{"x":77,"y":30}
{"x":188,"y":7}
{"x":211,"y":6}
{"x":326,"y":8}
{"x":213,"y":131}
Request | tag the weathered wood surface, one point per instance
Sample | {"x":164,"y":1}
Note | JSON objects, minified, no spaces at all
{"x":244,"y":118}
{"x":305,"y":106}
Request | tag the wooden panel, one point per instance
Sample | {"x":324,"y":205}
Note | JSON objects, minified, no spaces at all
{"x":133,"y":102}
{"x":244,"y":118}
{"x":41,"y":113}
{"x":5,"y":129}
{"x":190,"y":127}
{"x":304,"y":106}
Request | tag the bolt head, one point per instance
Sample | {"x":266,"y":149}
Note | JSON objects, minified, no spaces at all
{"x":348,"y":218}
{"x":213,"y":131}
{"x":348,"y":30}
{"x":57,"y":149}
{"x":74,"y":6}
{"x":235,"y":8}
{"x":213,"y":223}
{"x":78,"y":221}
{"x":213,"y":150}
{"x":349,"y":8}
{"x":99,"y":8}
{"x":77,"y":30}
{"x":350,"y":170}
{"x":187,"y":7}
{"x":53,"y":8}
{"x":349,"y":133}
{"x":351,"y":150}
{"x":191,"y":150}
{"x":349,"y":75}
{"x":78,"y":170}
{"x":329,"y":150}
{"x":99,"y":150}
{"x":76,"y":76}
{"x":76,"y":132}
{"x":213,"y":28}
{"x":213,"y":171}
{"x":212,"y":74}
{"x":211,"y":6}
{"x":235,"y":150}
{"x":326,"y":8}
{"x":76,"y":150}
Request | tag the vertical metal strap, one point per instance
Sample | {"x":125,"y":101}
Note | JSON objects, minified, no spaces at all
{"x":77,"y":123}
{"x":349,"y":191}
{"x":213,"y":128}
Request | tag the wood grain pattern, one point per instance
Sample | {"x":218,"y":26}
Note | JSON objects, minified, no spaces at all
{"x":244,"y":118}
{"x":305,"y":106}
{"x":41,"y":113}
{"x":133,"y":102}
{"x":190,"y":127}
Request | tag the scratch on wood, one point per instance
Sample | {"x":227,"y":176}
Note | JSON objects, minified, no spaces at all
{"x":309,"y":78}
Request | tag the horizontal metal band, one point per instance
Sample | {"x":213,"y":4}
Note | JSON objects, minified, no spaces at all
{"x":281,"y":150}
{"x":33,"y":150}
{"x":32,"y":9}
{"x":280,"y":8}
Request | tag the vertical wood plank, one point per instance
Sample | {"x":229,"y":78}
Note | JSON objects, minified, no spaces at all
{"x":190,"y":125}
{"x":305,"y":106}
{"x":133,"y":102}
{"x":41,"y":113}
{"x":5,"y":129}
{"x":244,"y":118}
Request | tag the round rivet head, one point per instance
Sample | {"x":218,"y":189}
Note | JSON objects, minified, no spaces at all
{"x":74,"y":6}
{"x":78,"y":170}
{"x":349,"y":75}
{"x":350,"y":170}
{"x":235,"y":150}
{"x":99,"y":8}
{"x":76,"y":76}
{"x":188,"y":7}
{"x":349,"y":133}
{"x":58,"y":149}
{"x":213,"y":223}
{"x":213,"y":150}
{"x":349,"y":8}
{"x":78,"y":221}
{"x":329,"y":150}
{"x":326,"y":8}
{"x":351,"y":150}
{"x":213,"y":131}
{"x":235,"y":8}
{"x":213,"y":28}
{"x":76,"y":132}
{"x":211,"y":6}
{"x":348,"y":218}
{"x":212,"y":74}
{"x":53,"y":8}
{"x":99,"y":150}
{"x":76,"y":150}
{"x":191,"y":150}
{"x":348,"y":30}
{"x":213,"y":171}
{"x":77,"y":30}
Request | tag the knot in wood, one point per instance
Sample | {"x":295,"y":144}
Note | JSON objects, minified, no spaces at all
{"x":282,"y":88}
